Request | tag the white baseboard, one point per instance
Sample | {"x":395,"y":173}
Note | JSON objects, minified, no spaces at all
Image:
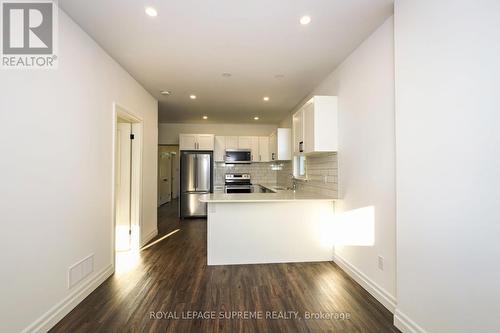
{"x":405,"y":324}
{"x":57,"y":312}
{"x":384,"y":297}
{"x":149,"y":237}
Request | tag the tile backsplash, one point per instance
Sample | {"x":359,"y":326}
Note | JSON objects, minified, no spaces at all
{"x":322,"y":175}
{"x":260,"y":172}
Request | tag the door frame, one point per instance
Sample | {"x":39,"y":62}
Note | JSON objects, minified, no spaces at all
{"x":172,"y":171}
{"x":177,"y":170}
{"x":136,"y":175}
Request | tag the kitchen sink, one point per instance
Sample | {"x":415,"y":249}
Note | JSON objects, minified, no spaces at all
{"x":261,"y":189}
{"x":280,"y":188}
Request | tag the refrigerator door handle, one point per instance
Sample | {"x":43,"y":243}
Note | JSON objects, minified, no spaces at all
{"x":196,"y":172}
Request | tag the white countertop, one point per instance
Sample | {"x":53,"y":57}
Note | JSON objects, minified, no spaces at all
{"x":265,"y":197}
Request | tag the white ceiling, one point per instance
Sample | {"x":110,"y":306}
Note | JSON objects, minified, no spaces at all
{"x":187,"y":47}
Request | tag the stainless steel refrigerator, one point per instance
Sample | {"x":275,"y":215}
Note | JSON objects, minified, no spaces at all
{"x":196,"y":180}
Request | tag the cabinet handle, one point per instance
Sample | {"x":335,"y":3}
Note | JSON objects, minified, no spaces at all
{"x":301,"y":146}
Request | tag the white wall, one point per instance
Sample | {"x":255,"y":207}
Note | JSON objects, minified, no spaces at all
{"x":448,"y":162}
{"x":364,"y":83}
{"x":57,"y":155}
{"x":169,"y":133}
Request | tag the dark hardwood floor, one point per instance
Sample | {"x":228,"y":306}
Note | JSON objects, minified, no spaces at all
{"x":172,"y":276}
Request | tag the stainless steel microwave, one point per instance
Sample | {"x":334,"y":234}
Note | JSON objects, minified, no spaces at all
{"x":238,"y":156}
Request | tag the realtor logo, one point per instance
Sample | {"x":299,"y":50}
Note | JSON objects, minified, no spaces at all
{"x":28,"y":34}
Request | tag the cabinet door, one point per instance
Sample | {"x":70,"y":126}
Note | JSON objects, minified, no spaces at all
{"x":254,"y":146}
{"x":220,"y":148}
{"x":244,"y":142}
{"x":264,"y":155}
{"x":205,"y":142}
{"x":273,"y":146}
{"x":187,"y":142}
{"x":231,"y":142}
{"x":284,"y":139}
{"x":308,"y":128}
{"x":298,"y":131}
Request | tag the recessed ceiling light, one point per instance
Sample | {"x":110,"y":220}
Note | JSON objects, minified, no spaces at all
{"x":255,"y":118}
{"x":151,"y":11}
{"x":265,"y":99}
{"x":304,"y":20}
{"x":226,"y":74}
{"x":205,"y":117}
{"x":166,"y":92}
{"x":279,"y":76}
{"x":192,"y":96}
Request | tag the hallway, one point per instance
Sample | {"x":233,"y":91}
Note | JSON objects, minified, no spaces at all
{"x":172,"y":276}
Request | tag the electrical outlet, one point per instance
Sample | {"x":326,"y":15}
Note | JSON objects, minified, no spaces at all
{"x":381,"y":263}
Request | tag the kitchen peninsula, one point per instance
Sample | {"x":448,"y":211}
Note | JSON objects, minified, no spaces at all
{"x":278,"y":227}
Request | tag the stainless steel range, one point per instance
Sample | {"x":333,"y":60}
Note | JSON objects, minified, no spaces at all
{"x":237,"y":183}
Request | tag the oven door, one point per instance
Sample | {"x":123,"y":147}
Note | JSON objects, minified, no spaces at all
{"x":238,"y":156}
{"x":238,"y":188}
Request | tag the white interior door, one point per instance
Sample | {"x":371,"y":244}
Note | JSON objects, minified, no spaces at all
{"x":165,"y":177}
{"x":123,"y":186}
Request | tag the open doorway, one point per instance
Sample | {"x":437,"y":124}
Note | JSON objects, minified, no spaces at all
{"x":168,"y":173}
{"x":127,"y":189}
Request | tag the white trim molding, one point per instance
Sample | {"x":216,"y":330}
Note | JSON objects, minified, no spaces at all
{"x":405,"y":324}
{"x":149,"y":237}
{"x":383,"y":296}
{"x":61,"y":309}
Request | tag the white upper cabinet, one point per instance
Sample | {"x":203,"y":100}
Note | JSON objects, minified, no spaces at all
{"x":205,"y":142}
{"x":254,"y":146}
{"x":279,"y":145}
{"x":187,"y":142}
{"x":264,"y":155}
{"x":196,"y":142}
{"x":220,"y":148}
{"x":244,"y":142}
{"x":298,"y":130}
{"x":252,"y":143}
{"x":259,"y":147}
{"x":232,"y":142}
{"x":315,"y":126}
